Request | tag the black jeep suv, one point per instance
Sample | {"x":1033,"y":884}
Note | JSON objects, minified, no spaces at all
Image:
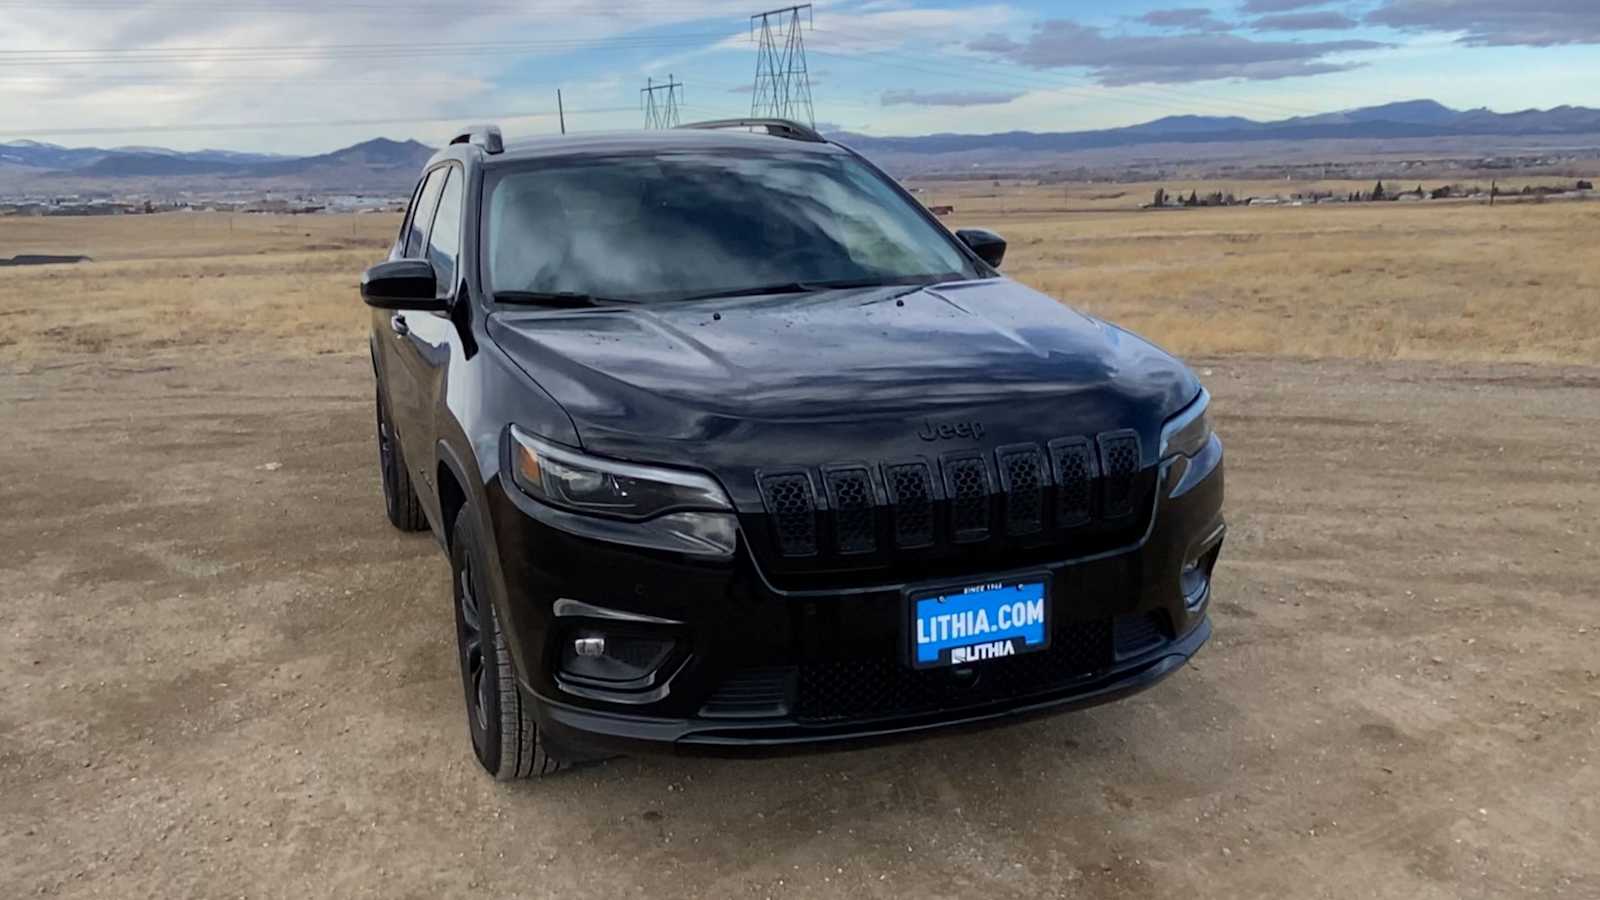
{"x":733,"y":447}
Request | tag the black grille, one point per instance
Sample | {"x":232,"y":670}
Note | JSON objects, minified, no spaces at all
{"x":1022,"y":481}
{"x":883,"y":686}
{"x":1075,"y":473}
{"x":911,"y":495}
{"x":793,"y":511}
{"x":966,"y":482}
{"x":850,"y":493}
{"x":1012,"y":506}
{"x":1119,"y":463}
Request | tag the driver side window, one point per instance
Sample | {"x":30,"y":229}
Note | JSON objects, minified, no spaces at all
{"x":422,"y":214}
{"x":444,"y":239}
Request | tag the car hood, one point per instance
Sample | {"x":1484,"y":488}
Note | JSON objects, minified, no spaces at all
{"x":858,"y":374}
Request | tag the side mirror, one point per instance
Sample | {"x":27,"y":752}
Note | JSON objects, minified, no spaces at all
{"x":990,"y":247}
{"x":402,"y":284}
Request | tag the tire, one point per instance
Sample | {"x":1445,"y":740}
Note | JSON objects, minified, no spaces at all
{"x":499,"y":718}
{"x":399,"y":494}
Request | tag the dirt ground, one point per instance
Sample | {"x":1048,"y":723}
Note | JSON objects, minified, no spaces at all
{"x":223,"y":675}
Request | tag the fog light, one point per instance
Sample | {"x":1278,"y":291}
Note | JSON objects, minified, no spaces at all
{"x":1193,"y":581}
{"x":1196,"y":576}
{"x":615,"y":660}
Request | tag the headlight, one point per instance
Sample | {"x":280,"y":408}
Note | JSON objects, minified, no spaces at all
{"x":1188,"y":431}
{"x":576,"y":481}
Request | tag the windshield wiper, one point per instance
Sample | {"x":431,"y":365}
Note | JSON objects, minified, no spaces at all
{"x":788,"y":287}
{"x":812,"y":287}
{"x":558,"y":299}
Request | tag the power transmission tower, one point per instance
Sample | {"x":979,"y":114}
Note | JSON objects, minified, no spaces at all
{"x":783,"y":84}
{"x":660,"y":102}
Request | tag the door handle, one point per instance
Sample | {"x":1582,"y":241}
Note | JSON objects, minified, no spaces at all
{"x":398,"y":323}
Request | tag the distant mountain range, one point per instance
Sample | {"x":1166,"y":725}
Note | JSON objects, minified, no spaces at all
{"x":379,"y":165}
{"x":1408,"y":119}
{"x":58,"y":158}
{"x":386,"y":166}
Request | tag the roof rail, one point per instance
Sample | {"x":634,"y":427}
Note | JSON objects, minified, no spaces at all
{"x":784,"y":128}
{"x":484,"y":136}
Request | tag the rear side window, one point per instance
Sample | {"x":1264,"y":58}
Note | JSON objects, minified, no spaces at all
{"x":444,"y":240}
{"x":422,"y":214}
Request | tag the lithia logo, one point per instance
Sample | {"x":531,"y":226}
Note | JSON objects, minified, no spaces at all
{"x":977,"y":652}
{"x":944,"y":431}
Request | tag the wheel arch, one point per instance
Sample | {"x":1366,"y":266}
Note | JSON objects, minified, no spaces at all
{"x":455,"y":490}
{"x":452,"y":497}
{"x":460,"y":492}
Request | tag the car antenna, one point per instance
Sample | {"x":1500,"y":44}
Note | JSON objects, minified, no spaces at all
{"x":561,"y":111}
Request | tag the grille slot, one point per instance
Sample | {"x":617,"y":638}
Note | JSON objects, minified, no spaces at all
{"x":792,"y":507}
{"x":1023,"y":478}
{"x":911,"y":494}
{"x":850,"y":494}
{"x":966,"y":483}
{"x":882,"y":686}
{"x":1074,"y":467}
{"x":1119,"y":463}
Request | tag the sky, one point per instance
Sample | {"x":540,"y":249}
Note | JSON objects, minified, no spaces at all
{"x":308,"y":76}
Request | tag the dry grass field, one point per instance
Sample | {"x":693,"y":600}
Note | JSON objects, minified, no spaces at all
{"x":1515,"y":282}
{"x":229,"y":284}
{"x":1441,"y":281}
{"x":223,"y":674}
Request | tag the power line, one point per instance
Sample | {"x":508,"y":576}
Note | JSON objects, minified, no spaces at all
{"x":782,"y":87}
{"x":773,"y":63}
{"x":119,"y":80}
{"x":370,"y":45}
{"x":587,"y":10}
{"x":660,"y":112}
{"x":346,"y":52}
{"x":325,"y":123}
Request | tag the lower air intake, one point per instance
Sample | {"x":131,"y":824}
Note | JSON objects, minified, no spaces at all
{"x":883,"y":686}
{"x":752,"y":694}
{"x":1139,"y":632}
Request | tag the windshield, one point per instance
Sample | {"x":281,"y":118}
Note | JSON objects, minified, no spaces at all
{"x":680,"y":225}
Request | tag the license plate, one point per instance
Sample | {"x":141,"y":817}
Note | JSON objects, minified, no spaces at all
{"x":972,"y":624}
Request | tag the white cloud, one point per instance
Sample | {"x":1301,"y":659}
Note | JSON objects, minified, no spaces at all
{"x":300,"y":62}
{"x":1118,"y":59}
{"x":1497,"y":23}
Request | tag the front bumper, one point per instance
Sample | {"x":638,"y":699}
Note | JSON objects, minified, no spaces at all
{"x":757,"y":668}
{"x":595,"y":731}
